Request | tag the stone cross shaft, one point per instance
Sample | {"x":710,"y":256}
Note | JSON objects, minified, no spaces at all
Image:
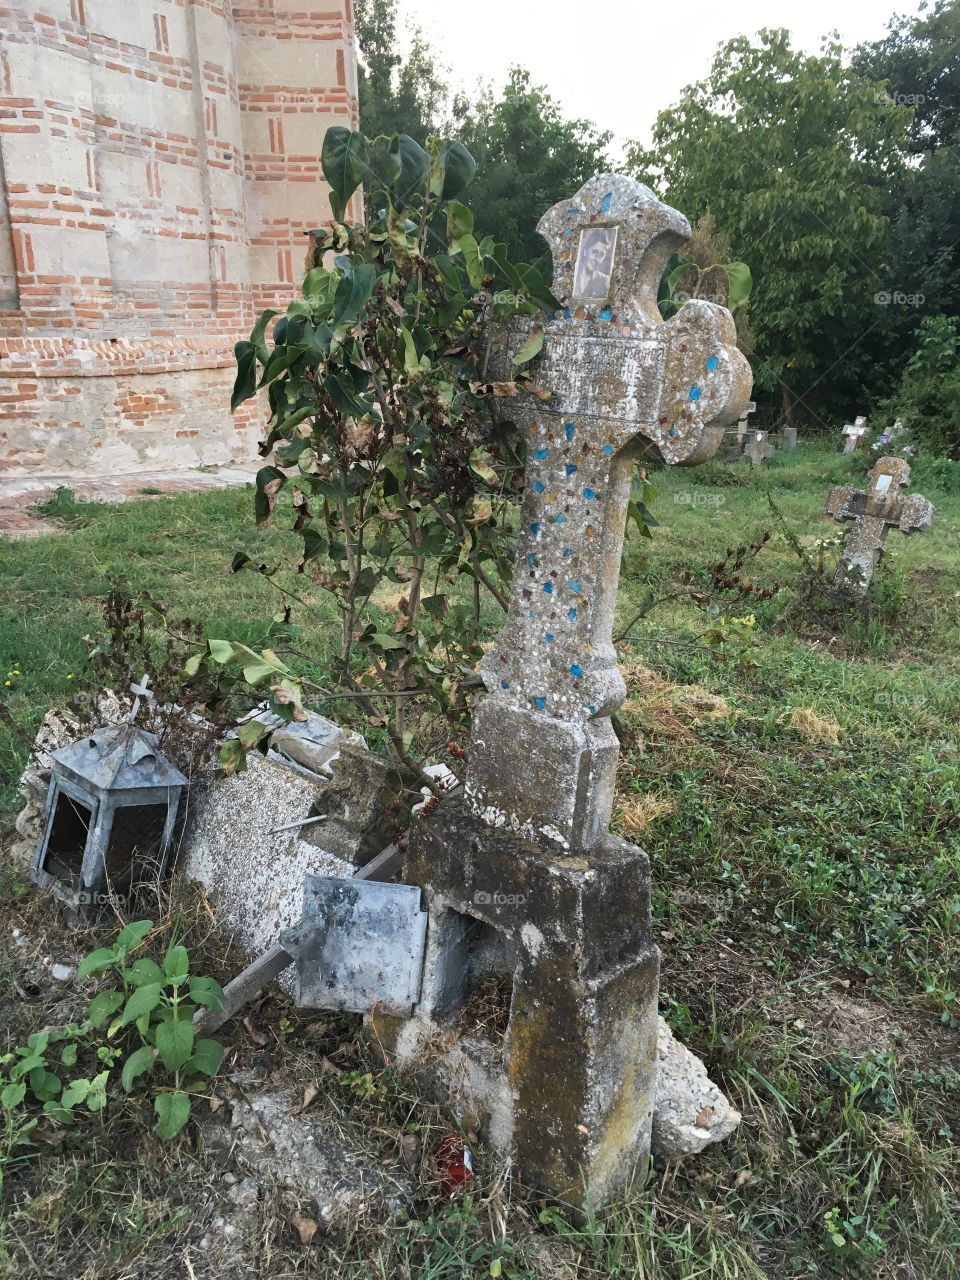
{"x":882,"y":506}
{"x":627,"y":387}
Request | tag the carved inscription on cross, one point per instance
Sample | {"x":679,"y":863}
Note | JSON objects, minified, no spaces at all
{"x":627,"y":387}
{"x":882,"y":506}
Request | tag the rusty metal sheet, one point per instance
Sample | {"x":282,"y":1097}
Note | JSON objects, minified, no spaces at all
{"x":359,"y":946}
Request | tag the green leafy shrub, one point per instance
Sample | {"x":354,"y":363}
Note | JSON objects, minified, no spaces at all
{"x":382,"y":428}
{"x":927,"y":400}
{"x":141,"y":1026}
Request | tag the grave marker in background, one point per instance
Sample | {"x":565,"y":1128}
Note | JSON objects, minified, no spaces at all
{"x":854,"y":432}
{"x":881,"y":507}
{"x":758,"y":447}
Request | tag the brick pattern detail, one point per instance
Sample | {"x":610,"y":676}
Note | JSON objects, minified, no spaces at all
{"x":159,"y":171}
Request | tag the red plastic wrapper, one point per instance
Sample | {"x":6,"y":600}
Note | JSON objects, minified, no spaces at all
{"x":454,"y":1165}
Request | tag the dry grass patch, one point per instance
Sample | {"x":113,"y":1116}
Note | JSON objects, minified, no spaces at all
{"x":636,"y":814}
{"x":813,"y":728}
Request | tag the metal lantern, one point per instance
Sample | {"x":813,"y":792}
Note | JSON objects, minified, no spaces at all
{"x":109,"y":817}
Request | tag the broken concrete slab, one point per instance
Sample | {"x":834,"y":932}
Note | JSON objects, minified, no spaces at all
{"x":331,"y":1164}
{"x":252,"y":873}
{"x":690,"y":1111}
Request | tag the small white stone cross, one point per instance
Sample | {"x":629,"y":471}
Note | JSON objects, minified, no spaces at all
{"x":854,"y":431}
{"x":140,"y":691}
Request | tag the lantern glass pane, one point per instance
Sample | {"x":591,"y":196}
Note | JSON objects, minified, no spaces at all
{"x":133,"y":851}
{"x":68,"y":839}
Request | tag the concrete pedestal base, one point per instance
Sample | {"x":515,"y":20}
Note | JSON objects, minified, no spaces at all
{"x":570,"y":1091}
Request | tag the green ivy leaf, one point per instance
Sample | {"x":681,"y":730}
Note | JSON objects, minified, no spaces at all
{"x":139,"y":1062}
{"x":176,"y":964}
{"x":353,"y":294}
{"x":75,"y":1092}
{"x":175,"y":1043}
{"x":459,"y":221}
{"x":132,"y":934}
{"x":96,"y":962}
{"x":101,"y":1007}
{"x":207,"y":991}
{"x":245,"y":384}
{"x":13,"y":1095}
{"x":173,"y":1110}
{"x":44,"y":1084}
{"x":532,"y":347}
{"x":207,"y":1057}
{"x":142,"y":971}
{"x":345,"y":162}
{"x":144,"y":1000}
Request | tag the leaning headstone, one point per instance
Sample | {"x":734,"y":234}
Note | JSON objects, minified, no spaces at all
{"x":788,"y":439}
{"x":758,"y":448}
{"x":854,"y":433}
{"x":874,"y":511}
{"x":525,"y":887}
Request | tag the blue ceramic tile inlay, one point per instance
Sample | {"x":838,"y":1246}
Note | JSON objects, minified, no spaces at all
{"x":607,"y":449}
{"x":592,"y":710}
{"x":567,"y":313}
{"x":606,"y":202}
{"x":575,"y":587}
{"x":550,"y":637}
{"x":541,"y":453}
{"x":569,"y":429}
{"x":570,"y":469}
{"x":576,"y":670}
{"x":539,"y":486}
{"x":504,"y":684}
{"x":548,"y":588}
{"x":606,"y":314}
{"x":672,"y":432}
{"x":551,"y":315}
{"x":561,"y":519}
{"x":712,"y":363}
{"x":572,"y":615}
{"x":540,"y":703}
{"x":589,"y":494}
{"x":567,"y":551}
{"x":568,"y":231}
{"x":534,"y":529}
{"x":694,"y":392}
{"x":533,"y":614}
{"x":531,"y":559}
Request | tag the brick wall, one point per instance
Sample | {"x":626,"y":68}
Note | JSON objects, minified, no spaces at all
{"x":159,"y":168}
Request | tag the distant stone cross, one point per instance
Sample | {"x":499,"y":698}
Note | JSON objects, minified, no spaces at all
{"x":854,"y":432}
{"x":758,"y":447}
{"x":882,"y":506}
{"x":626,"y":386}
{"x":140,"y":691}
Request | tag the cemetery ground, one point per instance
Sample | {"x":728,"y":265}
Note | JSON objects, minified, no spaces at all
{"x":800,"y":802}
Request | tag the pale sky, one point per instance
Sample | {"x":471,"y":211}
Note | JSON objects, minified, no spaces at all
{"x":618,"y":62}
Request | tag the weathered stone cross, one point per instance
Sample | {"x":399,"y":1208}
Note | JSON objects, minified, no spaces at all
{"x":627,"y":386}
{"x":854,"y":431}
{"x":758,"y":447}
{"x":876,"y":510}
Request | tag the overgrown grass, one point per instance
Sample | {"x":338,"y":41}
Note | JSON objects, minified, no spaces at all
{"x":803,"y":820}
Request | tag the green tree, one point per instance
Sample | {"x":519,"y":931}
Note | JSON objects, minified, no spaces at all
{"x":397,"y":95}
{"x":529,"y":156}
{"x":917,"y":62}
{"x":793,"y":155}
